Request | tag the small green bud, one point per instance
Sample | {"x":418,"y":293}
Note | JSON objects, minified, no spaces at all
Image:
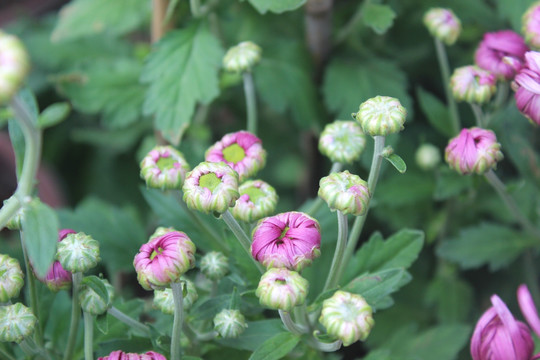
{"x":342,"y":141}
{"x":11,"y":278}
{"x":16,"y":323}
{"x":94,"y":304}
{"x":242,"y":57}
{"x":164,"y":301}
{"x":427,"y":157}
{"x":78,"y":252}
{"x":214,"y":265}
{"x":230,"y":323}
{"x":345,"y":192}
{"x":282,"y":289}
{"x":381,"y":116}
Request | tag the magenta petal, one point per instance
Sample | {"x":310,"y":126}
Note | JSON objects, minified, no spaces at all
{"x":528,"y":309}
{"x":520,"y":346}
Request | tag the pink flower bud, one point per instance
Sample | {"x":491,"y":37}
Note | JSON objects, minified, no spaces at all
{"x":282,"y":289}
{"x":57,"y":277}
{"x":472,"y":84}
{"x":345,"y":192}
{"x":257,"y":200}
{"x":443,"y":24}
{"x":291,"y":240}
{"x":527,"y":87}
{"x":531,"y":25}
{"x":120,"y":355}
{"x":164,"y":168}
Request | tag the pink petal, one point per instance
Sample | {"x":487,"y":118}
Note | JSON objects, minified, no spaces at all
{"x":528,"y":309}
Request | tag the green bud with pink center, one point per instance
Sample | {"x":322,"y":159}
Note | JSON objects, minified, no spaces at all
{"x":78,"y":252}
{"x":342,"y":141}
{"x":214,"y":265}
{"x":345,"y":192}
{"x":11,"y":278}
{"x":164,"y":168}
{"x":443,"y":24}
{"x":14,"y":66}
{"x":282,"y":289}
{"x":381,"y":116}
{"x":16,"y":323}
{"x":230,"y":323}
{"x":257,"y":200}
{"x":242,"y":57}
{"x":92,"y":302}
{"x":347,"y":316}
{"x":164,"y":301}
{"x":211,"y":188}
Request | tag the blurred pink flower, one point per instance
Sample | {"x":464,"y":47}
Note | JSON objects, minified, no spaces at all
{"x":502,"y":53}
{"x":291,"y":240}
{"x":120,"y":355}
{"x":531,"y":25}
{"x":527,"y":87}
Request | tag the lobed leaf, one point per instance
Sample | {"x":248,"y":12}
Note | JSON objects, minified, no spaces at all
{"x":378,"y":17}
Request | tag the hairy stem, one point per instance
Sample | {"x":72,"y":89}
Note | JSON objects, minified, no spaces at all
{"x":445,"y":73}
{"x":75,"y":317}
{"x":251,"y":102}
{"x":178,"y":297}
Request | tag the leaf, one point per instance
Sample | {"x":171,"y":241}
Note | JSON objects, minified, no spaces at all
{"x":513,"y":10}
{"x":206,"y":310}
{"x":485,"y":244}
{"x":102,"y":323}
{"x":397,"y":162}
{"x":255,"y":335}
{"x":82,"y":18}
{"x":54,"y":114}
{"x":40,"y":229}
{"x":419,"y":188}
{"x":435,"y":111}
{"x":97,"y":285}
{"x":442,"y":343}
{"x":452,"y":297}
{"x":378,"y":17}
{"x":276,"y":347}
{"x":347,"y":84}
{"x":449,"y":183}
{"x":182,"y":71}
{"x":379,"y":354}
{"x":276,"y":6}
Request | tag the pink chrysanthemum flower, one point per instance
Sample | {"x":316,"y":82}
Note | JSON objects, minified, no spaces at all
{"x":472,"y":84}
{"x":241,"y":150}
{"x":57,"y":277}
{"x":291,"y":240}
{"x":164,"y":168}
{"x":502,"y":53}
{"x":527,"y":87}
{"x":120,"y":355}
{"x":257,"y":200}
{"x":164,"y":259}
{"x":474,"y":150}
{"x":531,"y":25}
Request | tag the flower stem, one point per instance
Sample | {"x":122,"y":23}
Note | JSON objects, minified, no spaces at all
{"x":251,"y":102}
{"x":336,"y":167}
{"x":128,"y":320}
{"x":445,"y":73}
{"x":343,"y":227}
{"x":5,"y":355}
{"x":75,"y":316}
{"x":178,"y":297}
{"x":195,"y":6}
{"x":478,"y":115}
{"x":88,"y":336}
{"x":27,"y":349}
{"x":290,"y":324}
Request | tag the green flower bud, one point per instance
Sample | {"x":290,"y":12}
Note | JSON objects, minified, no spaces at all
{"x":342,"y":141}
{"x":427,"y":156}
{"x":164,"y":301}
{"x":14,"y":66}
{"x":282,"y":289}
{"x":164,"y":168}
{"x":347,"y":316}
{"x":242,"y":57}
{"x":160,"y":231}
{"x":381,"y":116}
{"x":443,"y":24}
{"x":230,"y":323}
{"x":472,"y":84}
{"x":257,"y":200}
{"x":214,"y":265}
{"x":11,"y":278}
{"x":345,"y":192}
{"x":94,"y":304}
{"x":16,"y":323}
{"x":78,"y":252}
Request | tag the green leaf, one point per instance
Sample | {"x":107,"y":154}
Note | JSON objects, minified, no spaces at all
{"x":276,"y":347}
{"x":102,"y":323}
{"x":452,"y":298}
{"x":435,"y":111}
{"x":182,"y":71}
{"x":491,"y":244}
{"x":82,"y":18}
{"x":378,"y":17}
{"x":442,"y":343}
{"x":54,"y":114}
{"x":276,"y":6}
{"x":450,"y":183}
{"x":206,"y":310}
{"x":379,"y":354}
{"x":255,"y":335}
{"x":40,"y":229}
{"x":97,"y":285}
{"x":513,"y":10}
{"x":397,"y":162}
{"x":419,"y":188}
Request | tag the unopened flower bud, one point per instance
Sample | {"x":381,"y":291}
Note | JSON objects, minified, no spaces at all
{"x":15,"y":223}
{"x":164,"y":300}
{"x":214,"y":265}
{"x":257,"y":200}
{"x":347,"y":316}
{"x":164,"y":168}
{"x":78,"y":252}
{"x":14,"y":66}
{"x":57,"y":277}
{"x":342,"y":141}
{"x":443,"y":24}
{"x":472,"y":84}
{"x":427,"y":156}
{"x":531,"y":25}
{"x":160,"y":231}
{"x":94,"y":304}
{"x":282,"y":289}
{"x":242,"y":57}
{"x":229,"y":323}
{"x":120,"y":355}
{"x":345,"y":192}
{"x":16,"y":322}
{"x":11,"y":278}
{"x":211,"y":188}
{"x":381,"y":116}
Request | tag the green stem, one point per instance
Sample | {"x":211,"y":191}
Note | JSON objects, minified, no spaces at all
{"x":176,"y":351}
{"x":251,"y":102}
{"x":128,"y":320}
{"x":445,"y":73}
{"x":531,"y":277}
{"x":318,"y":202}
{"x":27,"y":349}
{"x":290,"y":324}
{"x":5,"y":355}
{"x":350,"y":26}
{"x":75,"y":316}
{"x":195,"y":6}
{"x":332,"y":279}
{"x":88,"y":336}
{"x":478,"y":115}
{"x":10,"y":208}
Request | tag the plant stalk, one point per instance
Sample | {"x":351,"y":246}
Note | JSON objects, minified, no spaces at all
{"x":128,"y":320}
{"x":88,"y":336}
{"x":38,"y":334}
{"x":178,"y":297}
{"x":290,"y":324}
{"x":343,"y":227}
{"x":445,"y":73}
{"x":478,"y":115}
{"x":75,"y":316}
{"x":251,"y":102}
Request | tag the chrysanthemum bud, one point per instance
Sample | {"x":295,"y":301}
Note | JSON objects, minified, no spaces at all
{"x":164,"y":259}
{"x":242,"y":57}
{"x":94,"y":304}
{"x":282,"y":289}
{"x":164,"y":301}
{"x":342,"y":141}
{"x":257,"y":200}
{"x":381,"y":116}
{"x":443,"y":24}
{"x":57,"y":277}
{"x":214,"y":265}
{"x":15,"y":223}
{"x":78,"y":252}
{"x":230,"y":323}
{"x":11,"y":278}
{"x":160,"y":231}
{"x":347,"y":316}
{"x":474,"y":150}
{"x":427,"y":156}
{"x":16,"y":322}
{"x":345,"y":192}
{"x":164,"y":168}
{"x":531,"y":25}
{"x":472,"y":84}
{"x":14,"y":66}
{"x":120,"y":355}
{"x":211,"y":188}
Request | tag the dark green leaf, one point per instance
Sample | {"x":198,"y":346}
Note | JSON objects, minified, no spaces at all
{"x":102,"y":323}
{"x":97,"y":285}
{"x":276,"y":347}
{"x":442,"y":343}
{"x":378,"y":17}
{"x":397,"y":162}
{"x":182,"y":71}
{"x":380,"y":354}
{"x":419,"y":188}
{"x":40,"y":229}
{"x":16,"y":137}
{"x":452,"y":298}
{"x":450,"y":183}
{"x":513,"y":10}
{"x":435,"y":111}
{"x":205,"y":310}
{"x":54,"y":114}
{"x":255,"y":335}
{"x":276,"y":6}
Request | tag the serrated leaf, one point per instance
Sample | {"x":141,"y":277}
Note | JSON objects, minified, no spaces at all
{"x":97,"y":285}
{"x":40,"y":229}
{"x":397,"y":162}
{"x":436,"y":112}
{"x":182,"y":71}
{"x":276,"y":6}
{"x":378,"y":17}
{"x":485,"y":244}
{"x":54,"y":114}
{"x":82,"y":18}
{"x":276,"y":347}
